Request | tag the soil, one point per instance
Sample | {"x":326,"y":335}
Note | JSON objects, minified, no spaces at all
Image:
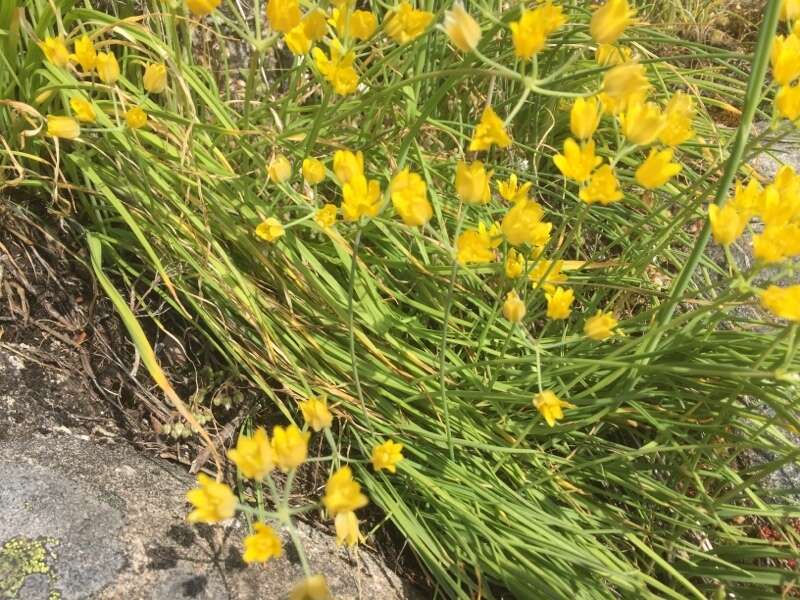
{"x":51,"y":315}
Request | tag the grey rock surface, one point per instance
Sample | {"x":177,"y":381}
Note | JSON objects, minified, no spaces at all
{"x":83,"y":518}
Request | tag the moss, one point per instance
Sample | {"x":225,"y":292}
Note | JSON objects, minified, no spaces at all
{"x":23,"y":557}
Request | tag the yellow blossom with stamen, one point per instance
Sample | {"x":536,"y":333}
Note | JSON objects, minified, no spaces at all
{"x":213,"y":501}
{"x":316,"y":414}
{"x":657,"y":169}
{"x":270,"y":229}
{"x":261,"y":545}
{"x":343,"y":493}
{"x":513,"y":308}
{"x":610,"y":20}
{"x":462,"y":29}
{"x":283,"y":15}
{"x":85,"y":54}
{"x":289,"y":446}
{"x":55,"y":51}
{"x":577,"y":162}
{"x":253,"y":455}
{"x":386,"y":456}
{"x":405,"y":23}
{"x":489,"y":131}
{"x":559,"y":303}
{"x":550,"y":406}
{"x":601,"y":326}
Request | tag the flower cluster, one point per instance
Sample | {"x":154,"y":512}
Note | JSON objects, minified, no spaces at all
{"x":348,"y":26}
{"x":777,"y":206}
{"x":257,"y":455}
{"x":104,"y":67}
{"x":776,"y":239}
{"x":360,"y":196}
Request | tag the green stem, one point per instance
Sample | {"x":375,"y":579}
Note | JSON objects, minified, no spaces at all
{"x":443,"y":346}
{"x":350,"y":324}
{"x":518,"y":106}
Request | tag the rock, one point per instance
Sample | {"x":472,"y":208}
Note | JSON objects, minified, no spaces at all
{"x":82,"y":519}
{"x":784,"y":150}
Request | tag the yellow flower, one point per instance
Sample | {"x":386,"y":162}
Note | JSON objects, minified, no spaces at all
{"x":201,"y":8}
{"x":136,"y":118}
{"x":577,"y":162}
{"x":773,"y":207}
{"x":746,"y":199}
{"x":608,"y":55}
{"x":642,"y":123}
{"x":726,"y":223}
{"x":63,"y":127}
{"x":270,"y":229}
{"x":550,"y":406}
{"x":601,"y":326}
{"x":313,"y":171}
{"x":610,"y":20}
{"x":787,"y":183}
{"x":326,"y":216}
{"x":253,"y":455}
{"x":461,"y":28}
{"x":55,"y":51}
{"x":489,"y":131}
{"x":785,"y":58}
{"x":410,"y":198}
{"x":283,"y":15}
{"x":343,"y":493}
{"x":289,"y":446}
{"x":788,"y":102}
{"x":657,"y":169}
{"x":360,"y":198}
{"x":515,"y":264}
{"x":347,"y":532}
{"x":519,"y":223}
{"x":790,"y":10}
{"x":475,"y":246}
{"x":510,"y":191}
{"x":107,"y":67}
{"x":155,"y":78}
{"x":314,"y":25}
{"x":213,"y":501}
{"x":513,"y":307}
{"x":472,"y":182}
{"x":386,"y":456}
{"x":782,"y":302}
{"x":85,"y":54}
{"x":347,"y":165}
{"x":279,"y":169}
{"x":530,"y":33}
{"x":360,"y":25}
{"x":338,"y":69}
{"x":315,"y":411}
{"x":311,"y":588}
{"x":297,"y":41}
{"x":777,"y":243}
{"x":622,"y":85}
{"x":547,"y":274}
{"x":603,"y":187}
{"x":262,"y":545}
{"x":83,"y":109}
{"x":584,"y":117}
{"x":678,"y":114}
{"x":559,"y":303}
{"x":406,"y":23}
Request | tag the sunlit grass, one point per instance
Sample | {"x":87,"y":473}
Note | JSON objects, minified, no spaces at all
{"x":643,"y":491}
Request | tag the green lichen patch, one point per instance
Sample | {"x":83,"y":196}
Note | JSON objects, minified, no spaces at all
{"x":22,"y":557}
